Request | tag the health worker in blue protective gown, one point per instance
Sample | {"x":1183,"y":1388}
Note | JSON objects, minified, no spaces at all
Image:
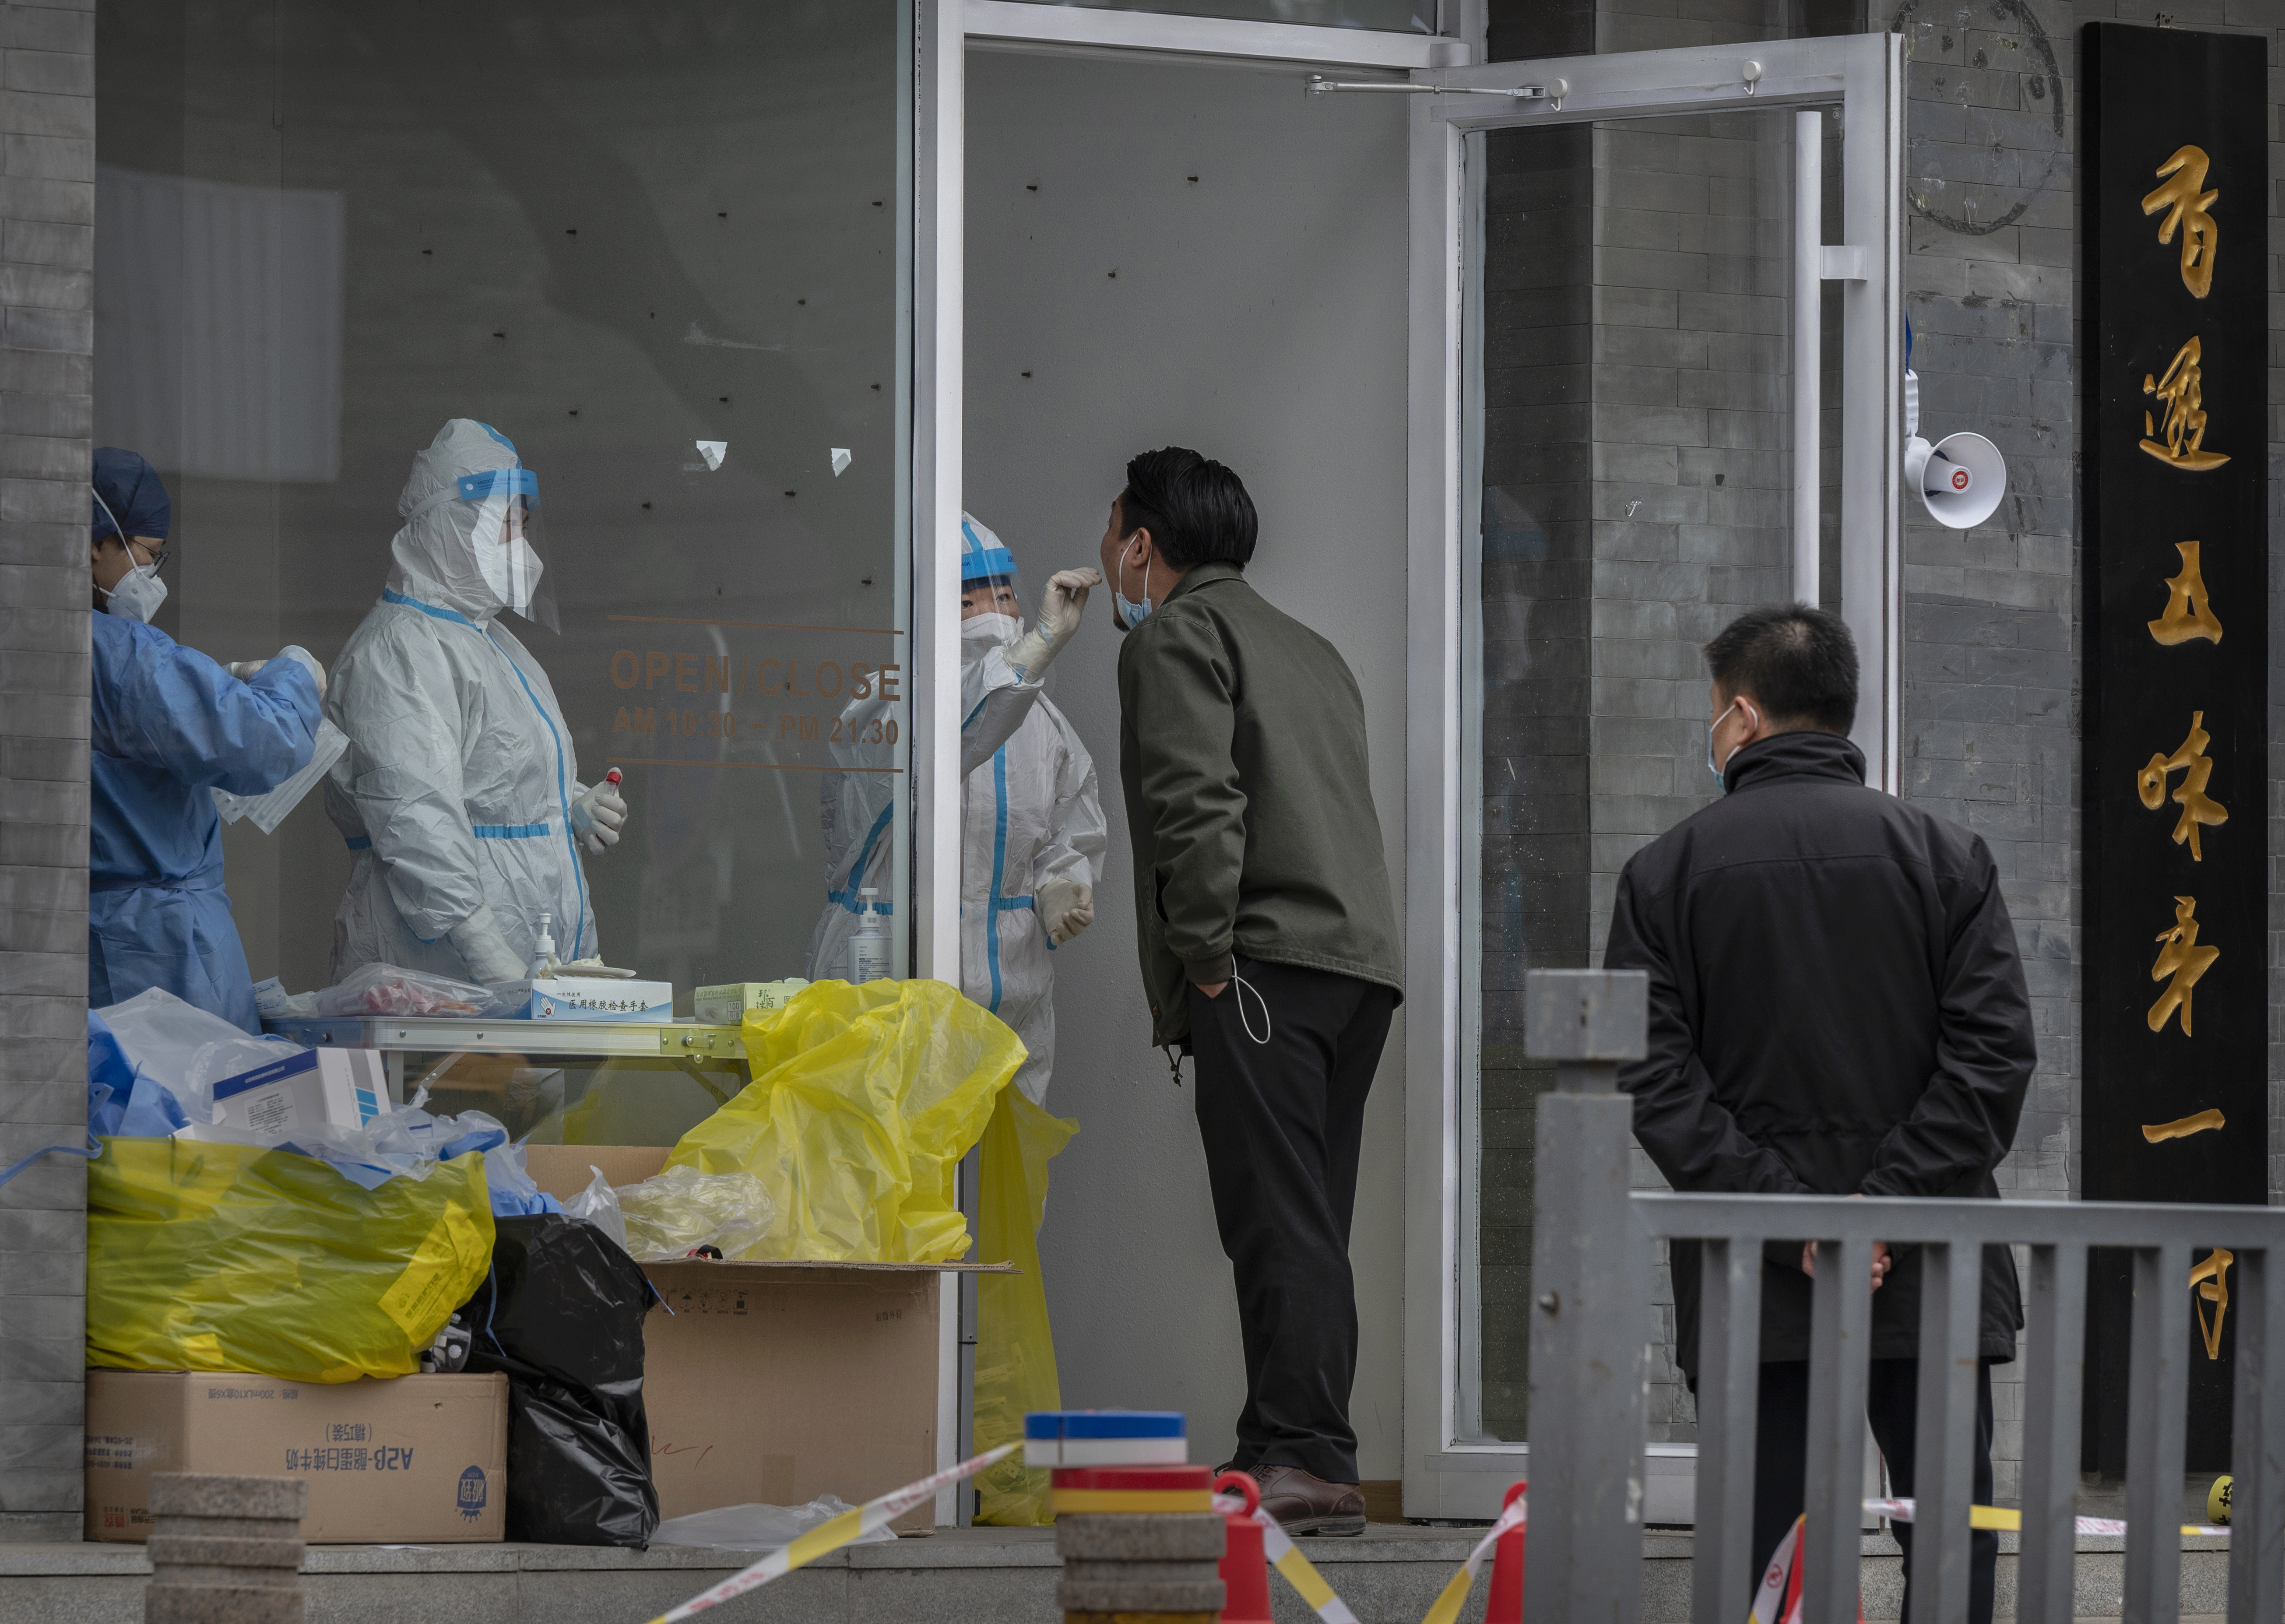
{"x":166,"y":726}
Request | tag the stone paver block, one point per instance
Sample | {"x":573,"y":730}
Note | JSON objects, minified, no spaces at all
{"x":223,"y":1550}
{"x":165,"y":1604}
{"x":226,"y":1527}
{"x":176,"y":1576}
{"x":205,"y":1494}
{"x":1130,"y":1596}
{"x":1141,"y":1573}
{"x":1141,"y":1537}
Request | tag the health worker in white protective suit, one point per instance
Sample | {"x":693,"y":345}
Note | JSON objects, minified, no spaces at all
{"x":460,"y":793}
{"x":1032,"y":829}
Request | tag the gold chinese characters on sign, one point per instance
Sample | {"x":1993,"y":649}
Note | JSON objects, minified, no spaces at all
{"x":2182,"y":1127}
{"x":2182,"y":393}
{"x":2195,"y":766}
{"x":2188,"y":613}
{"x":2188,"y":207}
{"x":2181,"y":957}
{"x":2210,"y":1280}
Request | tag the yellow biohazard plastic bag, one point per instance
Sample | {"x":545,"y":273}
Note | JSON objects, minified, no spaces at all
{"x":864,"y":1100}
{"x":1015,"y":1348}
{"x":219,"y":1256}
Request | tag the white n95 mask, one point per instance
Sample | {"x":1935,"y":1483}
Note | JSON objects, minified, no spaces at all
{"x":981,"y":631}
{"x":138,"y":594}
{"x":510,"y":566}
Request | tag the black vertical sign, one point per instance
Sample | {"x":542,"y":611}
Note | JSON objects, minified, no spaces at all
{"x":2173,"y":445}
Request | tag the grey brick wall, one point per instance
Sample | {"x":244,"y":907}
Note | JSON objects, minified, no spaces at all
{"x":1990,"y":652}
{"x":47,"y":257}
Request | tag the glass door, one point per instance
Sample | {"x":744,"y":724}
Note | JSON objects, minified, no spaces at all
{"x":1644,"y":429}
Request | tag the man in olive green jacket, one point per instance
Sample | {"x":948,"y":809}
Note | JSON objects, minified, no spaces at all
{"x":1269,"y":943}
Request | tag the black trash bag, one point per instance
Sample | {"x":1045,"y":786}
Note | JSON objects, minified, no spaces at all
{"x":562,"y":1316}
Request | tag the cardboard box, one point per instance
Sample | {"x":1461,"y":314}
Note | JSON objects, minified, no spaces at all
{"x":600,"y":998}
{"x":777,"y":1381}
{"x":421,"y":1459}
{"x":314,"y":1088}
{"x":726,"y":1005}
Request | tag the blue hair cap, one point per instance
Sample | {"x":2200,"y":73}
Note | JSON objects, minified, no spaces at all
{"x":982,"y":556}
{"x":129,"y":487}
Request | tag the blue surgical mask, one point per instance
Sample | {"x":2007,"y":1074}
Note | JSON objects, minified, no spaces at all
{"x":1131,"y":613}
{"x":1719,"y":776}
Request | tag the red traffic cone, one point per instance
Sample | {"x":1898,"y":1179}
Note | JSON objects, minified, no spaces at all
{"x":1506,"y":1604}
{"x":1244,"y":1566}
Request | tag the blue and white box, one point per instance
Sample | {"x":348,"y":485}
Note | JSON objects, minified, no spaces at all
{"x":316,"y":1088}
{"x":600,"y":998}
{"x":1106,"y":1437}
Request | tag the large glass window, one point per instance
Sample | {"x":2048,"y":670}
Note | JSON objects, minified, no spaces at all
{"x":1632,"y":397}
{"x":664,"y":250}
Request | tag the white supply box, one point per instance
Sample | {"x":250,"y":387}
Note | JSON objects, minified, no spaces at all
{"x":726,"y":1005}
{"x":314,"y":1088}
{"x":600,"y":998}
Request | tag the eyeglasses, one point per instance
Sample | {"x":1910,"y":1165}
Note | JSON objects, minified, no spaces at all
{"x":158,"y":556}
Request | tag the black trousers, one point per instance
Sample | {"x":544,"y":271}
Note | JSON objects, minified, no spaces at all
{"x":1892,"y":1404}
{"x":1282,"y":1123}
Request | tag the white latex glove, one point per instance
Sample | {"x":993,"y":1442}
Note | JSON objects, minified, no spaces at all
{"x":482,"y":947}
{"x":244,"y":670}
{"x":1066,"y":907}
{"x":306,"y":660}
{"x":597,"y":818}
{"x":1061,"y":609}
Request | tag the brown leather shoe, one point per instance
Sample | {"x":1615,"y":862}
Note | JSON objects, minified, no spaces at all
{"x":1304,"y":1504}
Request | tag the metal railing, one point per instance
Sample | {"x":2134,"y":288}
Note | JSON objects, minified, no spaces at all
{"x":1590,"y":1261}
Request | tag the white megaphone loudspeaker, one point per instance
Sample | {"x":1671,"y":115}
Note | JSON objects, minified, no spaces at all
{"x":1961,"y":478}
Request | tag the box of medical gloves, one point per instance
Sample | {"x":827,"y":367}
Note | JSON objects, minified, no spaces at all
{"x":600,"y":998}
{"x":420,"y":1459}
{"x":316,"y":1088}
{"x":726,"y":1005}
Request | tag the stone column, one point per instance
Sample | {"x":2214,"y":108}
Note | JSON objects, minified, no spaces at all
{"x":47,"y":259}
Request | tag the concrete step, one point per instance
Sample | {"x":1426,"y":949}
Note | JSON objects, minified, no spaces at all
{"x":958,"y":1576}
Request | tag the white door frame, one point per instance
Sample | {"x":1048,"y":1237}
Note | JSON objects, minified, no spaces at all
{"x":941,"y":32}
{"x":1447,"y":1473}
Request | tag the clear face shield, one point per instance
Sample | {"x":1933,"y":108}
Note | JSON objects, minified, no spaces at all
{"x":990,"y":595}
{"x":507,"y":537}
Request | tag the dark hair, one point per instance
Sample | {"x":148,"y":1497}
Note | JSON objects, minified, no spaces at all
{"x":1799,"y":663}
{"x":1196,"y":510}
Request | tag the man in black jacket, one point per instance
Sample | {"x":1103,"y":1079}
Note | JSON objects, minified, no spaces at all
{"x":1836,"y":1007}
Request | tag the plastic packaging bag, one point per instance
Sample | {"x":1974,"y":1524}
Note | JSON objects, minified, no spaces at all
{"x":563,"y":1315}
{"x":269,"y":810}
{"x":387,"y":989}
{"x":185,"y":1049}
{"x":760,"y":1527}
{"x":864,"y":1100}
{"x":122,"y":1100}
{"x":599,"y":1204}
{"x":223,"y":1257}
{"x":672,"y":1213}
{"x":390,"y":988}
{"x":406,"y":1143}
{"x":1014,"y":1347}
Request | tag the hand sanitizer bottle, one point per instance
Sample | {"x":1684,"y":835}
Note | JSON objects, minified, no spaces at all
{"x":868,"y":949}
{"x":543,"y":953}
